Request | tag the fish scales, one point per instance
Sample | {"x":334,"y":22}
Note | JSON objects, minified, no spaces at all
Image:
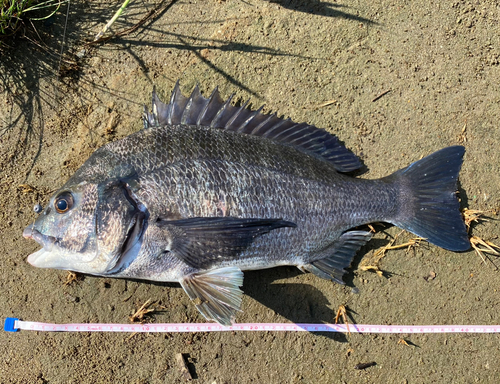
{"x":200,"y":203}
{"x":265,"y":187}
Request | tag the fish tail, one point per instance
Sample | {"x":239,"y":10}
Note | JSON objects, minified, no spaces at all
{"x":429,"y":206}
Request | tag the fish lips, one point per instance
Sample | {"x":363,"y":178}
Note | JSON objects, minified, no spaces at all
{"x":40,"y":258}
{"x":46,"y":241}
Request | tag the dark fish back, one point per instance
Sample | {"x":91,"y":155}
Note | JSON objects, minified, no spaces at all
{"x":215,"y":113}
{"x":203,"y":172}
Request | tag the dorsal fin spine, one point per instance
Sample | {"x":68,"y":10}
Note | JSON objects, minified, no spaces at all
{"x":214,"y":95}
{"x":186,"y":114}
{"x":154,"y":115}
{"x":249,"y":119}
{"x":231,"y":121}
{"x":219,"y":114}
{"x":214,"y":112}
{"x":256,"y":130}
{"x":172,"y":103}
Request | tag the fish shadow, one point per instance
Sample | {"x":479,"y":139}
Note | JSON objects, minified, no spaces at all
{"x":372,"y":245}
{"x":462,"y":196}
{"x":299,"y":303}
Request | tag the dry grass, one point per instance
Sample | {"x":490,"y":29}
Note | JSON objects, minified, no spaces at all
{"x":140,"y":316}
{"x":371,"y":263}
{"x":462,"y":137}
{"x":476,"y":216}
{"x":342,"y":313}
{"x":71,"y":277}
{"x":483,"y":248}
{"x":145,"y":311}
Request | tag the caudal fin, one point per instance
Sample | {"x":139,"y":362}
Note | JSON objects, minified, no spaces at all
{"x":429,"y":206}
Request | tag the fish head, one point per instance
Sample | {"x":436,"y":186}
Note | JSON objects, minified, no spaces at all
{"x":86,"y":228}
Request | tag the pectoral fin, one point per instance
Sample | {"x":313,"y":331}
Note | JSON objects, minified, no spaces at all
{"x":203,"y":241}
{"x":216,"y":294}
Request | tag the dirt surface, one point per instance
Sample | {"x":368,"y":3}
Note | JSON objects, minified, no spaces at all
{"x":438,"y":63}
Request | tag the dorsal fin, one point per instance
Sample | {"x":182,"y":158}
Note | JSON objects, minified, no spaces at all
{"x":217,"y":113}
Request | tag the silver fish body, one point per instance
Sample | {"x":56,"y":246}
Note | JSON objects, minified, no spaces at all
{"x":207,"y":190}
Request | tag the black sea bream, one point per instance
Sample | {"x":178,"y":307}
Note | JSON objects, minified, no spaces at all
{"x":207,"y":190}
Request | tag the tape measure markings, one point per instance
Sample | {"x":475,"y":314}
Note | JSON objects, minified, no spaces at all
{"x":14,"y":324}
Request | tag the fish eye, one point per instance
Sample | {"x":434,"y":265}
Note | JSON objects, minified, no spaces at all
{"x":64,"y":202}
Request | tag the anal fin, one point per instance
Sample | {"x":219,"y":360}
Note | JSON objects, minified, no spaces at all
{"x":338,"y":256}
{"x":216,"y":293}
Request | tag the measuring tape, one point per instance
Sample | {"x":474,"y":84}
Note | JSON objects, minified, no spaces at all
{"x":13,"y":325}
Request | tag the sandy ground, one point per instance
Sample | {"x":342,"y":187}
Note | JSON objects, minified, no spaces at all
{"x":440,"y":63}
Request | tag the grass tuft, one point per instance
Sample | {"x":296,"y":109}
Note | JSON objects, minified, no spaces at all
{"x":13,"y":12}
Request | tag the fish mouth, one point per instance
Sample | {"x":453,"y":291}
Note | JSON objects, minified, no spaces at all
{"x":38,"y":259}
{"x":45,"y":240}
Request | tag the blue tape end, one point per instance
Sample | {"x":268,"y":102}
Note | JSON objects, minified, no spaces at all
{"x":9,"y":324}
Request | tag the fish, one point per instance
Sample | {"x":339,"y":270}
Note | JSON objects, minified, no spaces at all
{"x":207,"y":190}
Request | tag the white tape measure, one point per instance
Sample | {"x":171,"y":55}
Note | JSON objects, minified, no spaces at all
{"x":13,"y":325}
